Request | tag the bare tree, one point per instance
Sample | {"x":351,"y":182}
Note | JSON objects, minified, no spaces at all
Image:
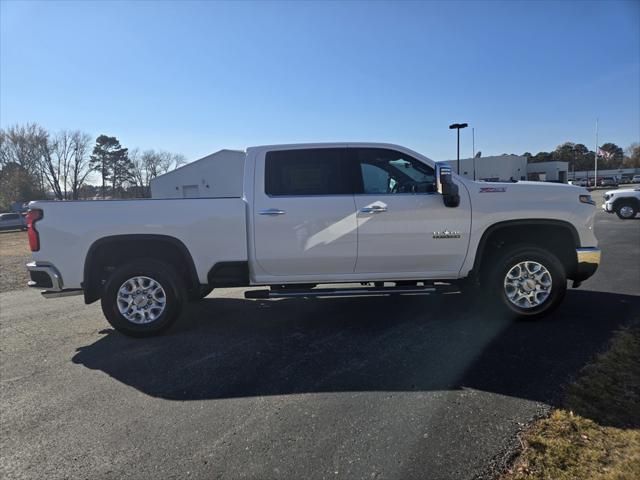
{"x":21,"y":176}
{"x":151,"y":164}
{"x":50,"y":166}
{"x":62,"y":158}
{"x":33,"y":161}
{"x":79,"y":168}
{"x":139,"y":173}
{"x":31,"y":147}
{"x":22,"y":145}
{"x":4,"y":149}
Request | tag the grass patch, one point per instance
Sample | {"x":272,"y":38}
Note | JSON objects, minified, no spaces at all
{"x":596,"y":435}
{"x":14,"y":254}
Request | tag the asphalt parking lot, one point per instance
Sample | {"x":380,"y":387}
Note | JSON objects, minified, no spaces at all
{"x":394,"y":387}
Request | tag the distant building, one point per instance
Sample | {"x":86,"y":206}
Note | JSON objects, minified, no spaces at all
{"x":548,"y":171}
{"x":505,"y":168}
{"x":502,"y":168}
{"x":216,"y":175}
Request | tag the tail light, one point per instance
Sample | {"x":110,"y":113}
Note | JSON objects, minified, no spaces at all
{"x":34,"y":239}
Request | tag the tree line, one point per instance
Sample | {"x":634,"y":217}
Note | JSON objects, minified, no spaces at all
{"x":37,"y":164}
{"x":580,"y":157}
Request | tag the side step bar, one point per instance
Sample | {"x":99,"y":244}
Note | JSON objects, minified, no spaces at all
{"x":351,"y":292}
{"x":61,"y":293}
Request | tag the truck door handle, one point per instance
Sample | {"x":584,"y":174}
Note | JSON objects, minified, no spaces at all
{"x":271,"y":211}
{"x":373,"y":209}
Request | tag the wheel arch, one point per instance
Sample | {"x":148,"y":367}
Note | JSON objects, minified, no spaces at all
{"x":110,"y":249}
{"x":563,"y":242}
{"x":627,"y":200}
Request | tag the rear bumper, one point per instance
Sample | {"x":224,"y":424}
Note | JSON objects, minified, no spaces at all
{"x":47,"y":278}
{"x":588,"y":261}
{"x":44,"y":276}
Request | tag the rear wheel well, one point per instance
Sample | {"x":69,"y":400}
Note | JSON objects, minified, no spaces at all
{"x":557,"y":238}
{"x":109,"y":253}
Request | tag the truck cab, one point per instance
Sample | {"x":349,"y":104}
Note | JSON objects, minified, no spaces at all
{"x":358,"y":212}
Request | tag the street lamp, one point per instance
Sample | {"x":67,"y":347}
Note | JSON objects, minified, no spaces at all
{"x":458,"y":126}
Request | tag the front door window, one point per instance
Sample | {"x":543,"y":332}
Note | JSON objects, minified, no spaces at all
{"x":387,"y":171}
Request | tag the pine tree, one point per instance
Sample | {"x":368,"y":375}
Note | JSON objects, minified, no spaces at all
{"x":111,"y":161}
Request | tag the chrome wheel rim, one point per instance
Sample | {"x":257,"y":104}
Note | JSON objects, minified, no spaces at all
{"x":141,"y":300}
{"x":527,"y":284}
{"x":626,"y":211}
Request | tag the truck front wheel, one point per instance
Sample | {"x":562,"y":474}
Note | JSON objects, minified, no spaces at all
{"x":526,"y":281}
{"x":626,"y":210}
{"x":142,"y":298}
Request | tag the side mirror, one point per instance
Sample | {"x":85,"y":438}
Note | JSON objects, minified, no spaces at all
{"x":446,"y":186}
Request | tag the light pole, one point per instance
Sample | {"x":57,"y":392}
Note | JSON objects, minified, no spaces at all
{"x":473,"y":142}
{"x":458,"y":126}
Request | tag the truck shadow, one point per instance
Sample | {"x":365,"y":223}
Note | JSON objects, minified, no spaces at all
{"x":226,"y":348}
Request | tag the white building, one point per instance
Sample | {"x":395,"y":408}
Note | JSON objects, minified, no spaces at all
{"x":548,"y":171}
{"x":506,"y":168}
{"x":496,"y":168}
{"x":216,"y":175}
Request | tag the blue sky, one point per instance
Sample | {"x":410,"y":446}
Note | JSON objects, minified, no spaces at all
{"x":193,"y":77}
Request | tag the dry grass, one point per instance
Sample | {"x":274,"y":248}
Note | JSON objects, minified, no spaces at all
{"x":597,"y":433}
{"x":14,"y":254}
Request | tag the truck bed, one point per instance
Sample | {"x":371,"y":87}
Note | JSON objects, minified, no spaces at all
{"x":212,"y":229}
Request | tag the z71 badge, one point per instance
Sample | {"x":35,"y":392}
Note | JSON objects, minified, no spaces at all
{"x":446,"y":234}
{"x":492,"y":190}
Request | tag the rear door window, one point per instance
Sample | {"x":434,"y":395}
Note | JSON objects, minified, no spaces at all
{"x":307,"y":172}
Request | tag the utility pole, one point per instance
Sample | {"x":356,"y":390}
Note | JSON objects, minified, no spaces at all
{"x":473,"y":147}
{"x":595,"y":173}
{"x":473,"y":141}
{"x":458,"y":126}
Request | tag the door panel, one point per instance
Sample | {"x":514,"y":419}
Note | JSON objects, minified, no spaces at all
{"x":314,"y":235}
{"x":403,"y":225}
{"x":304,"y":214}
{"x":400,"y":238}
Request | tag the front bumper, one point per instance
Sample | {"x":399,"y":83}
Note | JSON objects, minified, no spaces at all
{"x":607,"y":207}
{"x":47,"y":278}
{"x":588,"y":261}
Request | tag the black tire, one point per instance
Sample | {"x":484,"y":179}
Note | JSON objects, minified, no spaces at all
{"x":633,"y":207}
{"x":162,"y":273}
{"x":500,"y":265}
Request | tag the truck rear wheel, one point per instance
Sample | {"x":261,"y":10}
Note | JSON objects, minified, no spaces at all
{"x":142,"y":298}
{"x":526,"y":281}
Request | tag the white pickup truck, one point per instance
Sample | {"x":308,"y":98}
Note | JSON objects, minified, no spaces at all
{"x":377,"y":218}
{"x":625,"y":202}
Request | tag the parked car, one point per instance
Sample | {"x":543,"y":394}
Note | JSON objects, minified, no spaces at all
{"x":303,"y":216}
{"x":635,"y":179}
{"x":12,"y":221}
{"x":624,"y":202}
{"x":607,"y":182}
{"x":579,"y":182}
{"x":626,"y":179}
